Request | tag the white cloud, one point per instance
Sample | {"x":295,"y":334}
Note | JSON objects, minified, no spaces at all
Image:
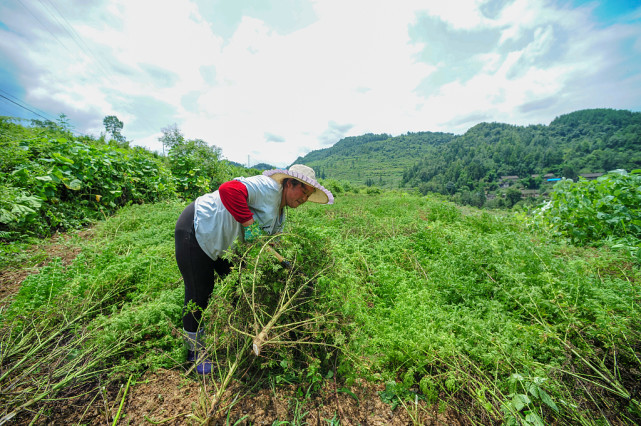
{"x":359,"y":66}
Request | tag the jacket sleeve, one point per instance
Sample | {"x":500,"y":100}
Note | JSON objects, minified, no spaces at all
{"x":233,"y":195}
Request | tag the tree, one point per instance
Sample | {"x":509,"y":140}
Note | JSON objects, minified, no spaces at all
{"x":171,"y":136}
{"x":512,"y":196}
{"x":63,"y":122}
{"x":450,"y":187}
{"x":114,"y":126}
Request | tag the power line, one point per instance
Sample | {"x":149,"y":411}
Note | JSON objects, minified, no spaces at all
{"x":24,"y":107}
{"x":79,"y":42}
{"x":75,"y":37}
{"x":25,"y":103}
{"x":87,"y":50}
{"x":19,"y":103}
{"x":44,"y":26}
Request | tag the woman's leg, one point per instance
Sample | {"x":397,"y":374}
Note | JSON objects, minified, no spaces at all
{"x":196,"y":268}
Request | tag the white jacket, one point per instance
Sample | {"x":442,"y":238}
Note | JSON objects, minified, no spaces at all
{"x":217,"y":230}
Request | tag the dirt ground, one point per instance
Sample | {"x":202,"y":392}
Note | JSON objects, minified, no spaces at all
{"x":169,"y":397}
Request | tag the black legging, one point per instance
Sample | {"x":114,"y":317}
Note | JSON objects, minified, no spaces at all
{"x":196,"y":268}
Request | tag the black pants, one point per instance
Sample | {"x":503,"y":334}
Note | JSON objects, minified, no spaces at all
{"x":196,"y":267}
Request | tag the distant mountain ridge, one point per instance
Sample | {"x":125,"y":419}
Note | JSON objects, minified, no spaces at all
{"x":586,"y":141}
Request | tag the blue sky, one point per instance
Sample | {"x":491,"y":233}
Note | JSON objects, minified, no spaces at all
{"x":271,"y":81}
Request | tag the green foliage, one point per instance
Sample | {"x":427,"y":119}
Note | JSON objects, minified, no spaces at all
{"x":51,"y":180}
{"x":44,"y":288}
{"x":589,"y":212}
{"x":306,"y":334}
{"x":64,"y":182}
{"x":394,"y":393}
{"x":196,"y":167}
{"x":456,"y":302}
{"x":114,"y":126}
{"x":455,"y":306}
{"x":131,"y":259}
{"x":171,"y":136}
{"x":526,"y":400}
{"x":17,"y":206}
{"x":581,"y":142}
{"x":114,"y":310}
{"x":470,"y":165}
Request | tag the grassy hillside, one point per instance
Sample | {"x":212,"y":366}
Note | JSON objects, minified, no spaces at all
{"x":372,"y":159}
{"x":449,"y":309}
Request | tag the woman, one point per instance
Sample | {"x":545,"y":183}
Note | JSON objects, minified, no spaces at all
{"x":240,"y":209}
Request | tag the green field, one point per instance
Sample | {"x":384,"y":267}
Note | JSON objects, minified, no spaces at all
{"x":451,"y":308}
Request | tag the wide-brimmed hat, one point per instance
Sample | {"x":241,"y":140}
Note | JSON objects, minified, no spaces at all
{"x":307,"y":176}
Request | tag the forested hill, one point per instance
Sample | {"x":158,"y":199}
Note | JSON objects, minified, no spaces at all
{"x":587,"y":141}
{"x":373,"y":159}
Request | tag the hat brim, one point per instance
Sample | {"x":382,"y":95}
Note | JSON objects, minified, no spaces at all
{"x":321,"y":196}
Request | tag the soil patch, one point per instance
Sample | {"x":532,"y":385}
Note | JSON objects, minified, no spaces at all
{"x":169,"y":397}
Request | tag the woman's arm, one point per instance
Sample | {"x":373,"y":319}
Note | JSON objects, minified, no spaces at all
{"x":233,"y":195}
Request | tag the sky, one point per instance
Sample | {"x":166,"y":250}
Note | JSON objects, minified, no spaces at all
{"x":269,"y":81}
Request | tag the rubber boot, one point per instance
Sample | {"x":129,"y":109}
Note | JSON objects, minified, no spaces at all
{"x":195,"y":348}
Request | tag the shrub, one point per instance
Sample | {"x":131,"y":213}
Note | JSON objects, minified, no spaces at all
{"x":591,"y":211}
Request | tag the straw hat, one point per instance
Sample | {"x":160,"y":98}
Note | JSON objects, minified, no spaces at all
{"x":307,"y":176}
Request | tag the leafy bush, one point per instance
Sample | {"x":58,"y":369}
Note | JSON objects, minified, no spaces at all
{"x":591,"y":211}
{"x":51,"y":180}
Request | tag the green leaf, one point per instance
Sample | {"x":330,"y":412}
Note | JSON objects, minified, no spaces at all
{"x":6,"y":217}
{"x":534,"y":389}
{"x":44,"y":178}
{"x":534,"y":419}
{"x":62,"y":159}
{"x":74,"y":185}
{"x":520,"y":401}
{"x":30,"y":201}
{"x":547,"y":400}
{"x":348,"y":392}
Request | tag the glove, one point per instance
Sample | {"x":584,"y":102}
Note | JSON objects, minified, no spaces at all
{"x":252,"y":232}
{"x":286,"y":264}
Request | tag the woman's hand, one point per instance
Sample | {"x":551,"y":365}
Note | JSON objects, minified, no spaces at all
{"x":252,"y":232}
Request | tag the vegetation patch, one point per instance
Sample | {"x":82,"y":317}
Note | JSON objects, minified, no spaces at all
{"x":496,"y":317}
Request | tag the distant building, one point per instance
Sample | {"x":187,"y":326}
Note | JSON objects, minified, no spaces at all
{"x":590,"y":176}
{"x":506,"y":181}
